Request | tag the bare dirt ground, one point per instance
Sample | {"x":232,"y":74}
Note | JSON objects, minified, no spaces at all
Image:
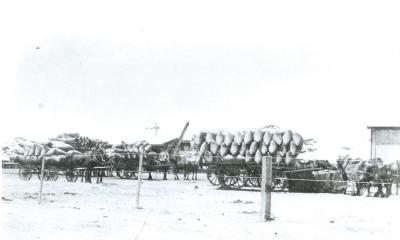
{"x":186,"y":210}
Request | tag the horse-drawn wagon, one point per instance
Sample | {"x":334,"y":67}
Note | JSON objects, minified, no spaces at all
{"x":236,"y":173}
{"x":156,"y":157}
{"x":72,"y":165}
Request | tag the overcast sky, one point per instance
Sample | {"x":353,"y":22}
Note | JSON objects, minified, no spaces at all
{"x":326,"y":69}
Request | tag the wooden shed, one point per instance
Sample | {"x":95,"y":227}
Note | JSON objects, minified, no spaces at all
{"x":385,"y":143}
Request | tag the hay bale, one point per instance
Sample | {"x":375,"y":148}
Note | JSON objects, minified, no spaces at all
{"x":203,"y":148}
{"x":267,"y":138}
{"x":248,"y":157}
{"x":227,"y":157}
{"x":279,"y":158}
{"x":73,"y":152}
{"x":253,"y":148}
{"x":287,"y":137}
{"x":264,"y":149}
{"x":258,"y":156}
{"x":61,"y":145}
{"x":288,"y":158}
{"x":238,"y":138}
{"x":214,"y":147}
{"x":56,"y":151}
{"x":219,"y":138}
{"x":293,"y":148}
{"x":297,"y":139}
{"x":228,"y":139}
{"x":199,"y":139}
{"x":224,"y":150}
{"x":273,"y":147}
{"x":210,"y":137}
{"x":258,"y":136}
{"x":208,"y":157}
{"x":243,"y":149}
{"x":277,"y":137}
{"x":234,"y":149}
{"x":248,"y":138}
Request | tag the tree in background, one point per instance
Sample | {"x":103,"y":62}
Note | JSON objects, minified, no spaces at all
{"x":309,"y":145}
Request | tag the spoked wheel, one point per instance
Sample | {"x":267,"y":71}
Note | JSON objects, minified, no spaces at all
{"x":45,"y":174}
{"x":254,"y":178}
{"x":234,"y":177}
{"x":71,"y":176}
{"x":50,"y":174}
{"x":211,"y":175}
{"x":279,"y":182}
{"x":53,"y":173}
{"x":125,"y":174}
{"x":25,"y":173}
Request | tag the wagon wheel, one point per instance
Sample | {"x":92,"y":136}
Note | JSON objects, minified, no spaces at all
{"x":71,"y":176}
{"x":125,"y":174}
{"x":279,"y":182}
{"x":45,"y":174}
{"x":254,"y":177}
{"x":52,"y":173}
{"x":234,"y":177}
{"x":25,"y":173}
{"x":211,"y":175}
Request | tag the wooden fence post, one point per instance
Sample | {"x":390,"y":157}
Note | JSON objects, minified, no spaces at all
{"x":398,"y":178}
{"x":139,"y":180}
{"x":266,"y":185}
{"x":41,"y":182}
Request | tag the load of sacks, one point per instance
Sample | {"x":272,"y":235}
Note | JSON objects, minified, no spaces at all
{"x":55,"y":150}
{"x":282,"y":145}
{"x":118,"y":150}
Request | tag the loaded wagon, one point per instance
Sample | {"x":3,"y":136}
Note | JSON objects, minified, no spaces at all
{"x":126,"y":163}
{"x":156,"y":157}
{"x":236,"y":173}
{"x":72,"y":166}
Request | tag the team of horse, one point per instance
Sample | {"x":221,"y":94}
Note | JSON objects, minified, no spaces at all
{"x":364,"y":174}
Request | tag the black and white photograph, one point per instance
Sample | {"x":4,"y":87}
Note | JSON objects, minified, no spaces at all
{"x":200,"y":120}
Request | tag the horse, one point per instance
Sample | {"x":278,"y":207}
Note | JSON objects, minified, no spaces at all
{"x":154,"y":162}
{"x":89,"y":159}
{"x":383,"y":178}
{"x":188,"y":163}
{"x":365,"y":174}
{"x":395,"y":170}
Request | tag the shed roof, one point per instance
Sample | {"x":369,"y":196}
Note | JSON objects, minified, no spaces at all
{"x":384,"y":127}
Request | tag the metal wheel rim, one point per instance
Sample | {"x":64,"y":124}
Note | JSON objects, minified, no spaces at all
{"x":25,"y":173}
{"x":211,"y":176}
{"x":53,"y":174}
{"x":234,"y":177}
{"x":71,"y":176}
{"x":253,"y":179}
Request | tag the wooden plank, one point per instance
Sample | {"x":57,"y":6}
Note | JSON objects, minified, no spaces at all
{"x":266,"y":188}
{"x":139,"y":180}
{"x":41,"y":182}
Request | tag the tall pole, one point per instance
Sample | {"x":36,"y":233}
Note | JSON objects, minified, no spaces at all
{"x":266,"y":185}
{"x":180,"y":139}
{"x":139,"y":179}
{"x":41,"y":182}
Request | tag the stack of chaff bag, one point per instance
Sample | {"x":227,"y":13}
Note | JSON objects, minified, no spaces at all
{"x":54,"y":150}
{"x":282,"y":145}
{"x":118,"y":150}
